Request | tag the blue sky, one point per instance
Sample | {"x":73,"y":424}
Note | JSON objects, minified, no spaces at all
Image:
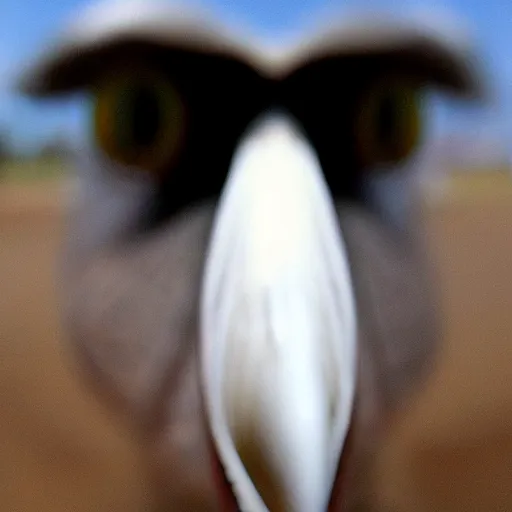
{"x":25,"y":30}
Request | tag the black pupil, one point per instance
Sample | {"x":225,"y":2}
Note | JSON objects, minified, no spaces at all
{"x":388,"y":119}
{"x":142,"y":118}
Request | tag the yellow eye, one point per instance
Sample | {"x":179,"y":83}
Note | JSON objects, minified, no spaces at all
{"x":138,"y":120}
{"x":389,"y":124}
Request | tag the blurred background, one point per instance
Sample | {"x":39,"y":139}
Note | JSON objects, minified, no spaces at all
{"x":452,"y":448}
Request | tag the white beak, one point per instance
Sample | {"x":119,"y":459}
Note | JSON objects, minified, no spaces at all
{"x":278,"y":325}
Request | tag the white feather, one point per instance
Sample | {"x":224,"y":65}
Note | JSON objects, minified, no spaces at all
{"x":278,"y":321}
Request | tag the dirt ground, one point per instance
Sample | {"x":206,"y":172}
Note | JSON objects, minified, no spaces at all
{"x":450,"y":451}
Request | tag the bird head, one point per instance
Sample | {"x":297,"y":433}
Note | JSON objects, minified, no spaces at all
{"x":226,"y":269}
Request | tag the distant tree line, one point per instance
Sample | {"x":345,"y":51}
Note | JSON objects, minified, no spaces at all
{"x":55,"y":147}
{"x":5,"y":147}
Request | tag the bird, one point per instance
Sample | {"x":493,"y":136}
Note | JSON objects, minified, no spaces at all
{"x":231,"y":278}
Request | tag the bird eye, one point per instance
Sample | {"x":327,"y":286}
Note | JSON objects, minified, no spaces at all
{"x":138,"y":120}
{"x":389,"y":123}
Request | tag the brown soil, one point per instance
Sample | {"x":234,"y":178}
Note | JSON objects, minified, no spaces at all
{"x":450,"y":451}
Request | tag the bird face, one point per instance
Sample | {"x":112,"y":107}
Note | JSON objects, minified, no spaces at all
{"x":227,"y":277}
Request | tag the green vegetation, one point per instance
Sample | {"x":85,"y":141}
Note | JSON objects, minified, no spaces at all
{"x":47,"y":162}
{"x":29,"y":169}
{"x":485,"y":183}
